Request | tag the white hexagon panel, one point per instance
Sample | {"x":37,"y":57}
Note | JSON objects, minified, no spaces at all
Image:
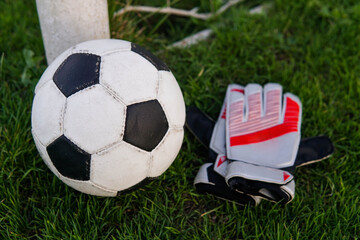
{"x":47,"y":113}
{"x":94,"y":119}
{"x":133,"y":80}
{"x":165,"y":153}
{"x":119,"y":167}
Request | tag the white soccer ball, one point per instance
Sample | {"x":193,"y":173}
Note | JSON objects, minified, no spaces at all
{"x":107,"y":115}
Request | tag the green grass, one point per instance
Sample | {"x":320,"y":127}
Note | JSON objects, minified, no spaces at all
{"x":310,"y":47}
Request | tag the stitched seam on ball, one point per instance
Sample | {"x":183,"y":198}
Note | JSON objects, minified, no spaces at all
{"x":162,"y":140}
{"x":115,"y":51}
{"x":161,"y":104}
{"x":88,"y":181}
{"x":63,"y":116}
{"x":115,"y":96}
{"x":107,"y":87}
{"x":159,"y":78}
{"x":57,"y":174}
{"x":150,"y":165}
{"x":107,"y":148}
{"x":37,"y":88}
{"x":115,"y":145}
{"x":112,"y":93}
{"x":176,"y":128}
{"x":61,"y":119}
{"x":157,"y":147}
{"x":102,"y":188}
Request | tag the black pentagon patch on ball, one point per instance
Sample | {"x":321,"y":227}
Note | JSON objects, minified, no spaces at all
{"x":78,"y":71}
{"x":69,"y":159}
{"x":160,"y":65}
{"x":146,"y":124}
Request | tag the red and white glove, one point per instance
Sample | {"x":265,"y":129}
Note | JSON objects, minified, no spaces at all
{"x":254,"y":152}
{"x":262,"y":137}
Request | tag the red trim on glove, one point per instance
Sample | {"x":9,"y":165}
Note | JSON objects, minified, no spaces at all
{"x":291,"y":123}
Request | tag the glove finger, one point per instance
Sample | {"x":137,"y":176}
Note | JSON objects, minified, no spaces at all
{"x":207,"y":181}
{"x":218,"y":138}
{"x":272,"y":101}
{"x":253,"y":101}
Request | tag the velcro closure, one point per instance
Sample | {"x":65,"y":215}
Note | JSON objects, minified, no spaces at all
{"x":257,"y":173}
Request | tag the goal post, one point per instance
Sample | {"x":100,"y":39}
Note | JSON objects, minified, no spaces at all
{"x":65,"y":23}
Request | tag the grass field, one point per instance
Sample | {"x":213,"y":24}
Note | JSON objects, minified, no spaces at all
{"x":311,"y":47}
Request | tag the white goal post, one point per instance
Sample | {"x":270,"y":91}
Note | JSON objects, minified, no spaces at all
{"x":65,"y":23}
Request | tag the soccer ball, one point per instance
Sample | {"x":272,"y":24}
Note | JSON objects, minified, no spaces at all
{"x":107,"y":115}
